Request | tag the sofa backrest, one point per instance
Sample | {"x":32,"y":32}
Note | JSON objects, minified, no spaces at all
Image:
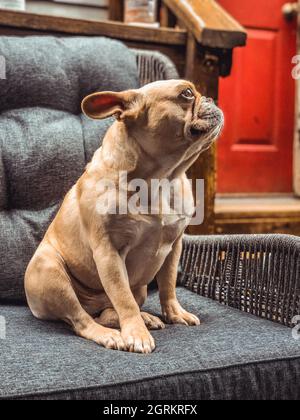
{"x":45,"y":141}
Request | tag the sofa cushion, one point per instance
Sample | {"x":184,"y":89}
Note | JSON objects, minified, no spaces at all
{"x":45,"y":141}
{"x":58,"y":72}
{"x":232,"y":355}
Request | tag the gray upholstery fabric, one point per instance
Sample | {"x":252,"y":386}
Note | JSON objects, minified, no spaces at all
{"x":58,"y":72}
{"x":231,"y":356}
{"x":154,"y":66}
{"x":45,"y":141}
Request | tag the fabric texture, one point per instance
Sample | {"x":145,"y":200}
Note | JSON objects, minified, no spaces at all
{"x":232,"y":355}
{"x":45,"y":141}
{"x":154,"y":66}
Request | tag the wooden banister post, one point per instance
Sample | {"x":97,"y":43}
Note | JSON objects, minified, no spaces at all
{"x":166,"y":16}
{"x":203,"y":69}
{"x":116,"y":10}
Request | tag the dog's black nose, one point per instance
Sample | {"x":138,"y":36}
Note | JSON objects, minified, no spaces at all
{"x":208,"y":100}
{"x":207,"y":109}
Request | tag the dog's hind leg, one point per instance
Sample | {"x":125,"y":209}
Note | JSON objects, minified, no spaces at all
{"x":109,"y":318}
{"x":152,"y":322}
{"x":51,"y":296}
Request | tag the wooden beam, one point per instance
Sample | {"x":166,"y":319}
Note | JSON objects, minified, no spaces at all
{"x":258,"y":214}
{"x":23,"y":20}
{"x":211,"y":25}
{"x":167,"y":17}
{"x":116,"y":10}
{"x":254,"y":225}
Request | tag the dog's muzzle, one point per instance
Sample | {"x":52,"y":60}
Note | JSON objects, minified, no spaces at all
{"x":208,"y":119}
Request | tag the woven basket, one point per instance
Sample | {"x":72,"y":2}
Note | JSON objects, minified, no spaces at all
{"x":257,"y":274}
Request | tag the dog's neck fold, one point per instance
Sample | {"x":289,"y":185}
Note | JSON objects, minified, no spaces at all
{"x":121,"y":151}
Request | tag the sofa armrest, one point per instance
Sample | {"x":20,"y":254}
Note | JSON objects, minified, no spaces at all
{"x":258,"y":274}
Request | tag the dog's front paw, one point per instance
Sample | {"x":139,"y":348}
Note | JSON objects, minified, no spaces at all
{"x":137,"y":338}
{"x":173,"y":313}
{"x":106,"y":337}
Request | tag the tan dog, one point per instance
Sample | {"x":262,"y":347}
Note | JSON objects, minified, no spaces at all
{"x":93,"y":263}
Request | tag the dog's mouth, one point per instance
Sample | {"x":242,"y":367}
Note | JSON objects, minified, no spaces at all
{"x":207,"y":122}
{"x":198,"y":131}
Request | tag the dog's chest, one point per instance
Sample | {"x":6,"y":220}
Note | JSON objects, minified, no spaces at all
{"x":171,"y":229}
{"x":171,"y":226}
{"x":155,"y":236}
{"x":152,"y":243}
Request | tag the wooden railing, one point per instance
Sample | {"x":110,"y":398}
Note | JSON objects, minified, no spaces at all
{"x":198,"y":36}
{"x":211,"y":25}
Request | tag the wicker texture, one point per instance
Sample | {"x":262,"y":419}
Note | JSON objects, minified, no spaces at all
{"x":258,"y":274}
{"x":154,"y":66}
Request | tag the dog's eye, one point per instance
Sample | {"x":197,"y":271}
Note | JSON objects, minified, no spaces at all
{"x":188,"y":94}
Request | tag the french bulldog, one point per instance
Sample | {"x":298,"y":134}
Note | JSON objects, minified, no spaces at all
{"x":93,"y":266}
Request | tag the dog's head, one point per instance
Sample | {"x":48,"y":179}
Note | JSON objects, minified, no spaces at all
{"x":161,"y":116}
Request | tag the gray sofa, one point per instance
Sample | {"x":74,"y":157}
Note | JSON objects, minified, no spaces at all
{"x":243,"y":350}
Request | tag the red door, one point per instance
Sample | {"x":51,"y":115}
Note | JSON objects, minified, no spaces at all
{"x":255,"y":154}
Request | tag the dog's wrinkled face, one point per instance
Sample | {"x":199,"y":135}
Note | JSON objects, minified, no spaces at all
{"x":162,"y":116}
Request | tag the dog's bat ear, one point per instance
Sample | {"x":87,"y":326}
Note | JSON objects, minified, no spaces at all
{"x":105,"y":104}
